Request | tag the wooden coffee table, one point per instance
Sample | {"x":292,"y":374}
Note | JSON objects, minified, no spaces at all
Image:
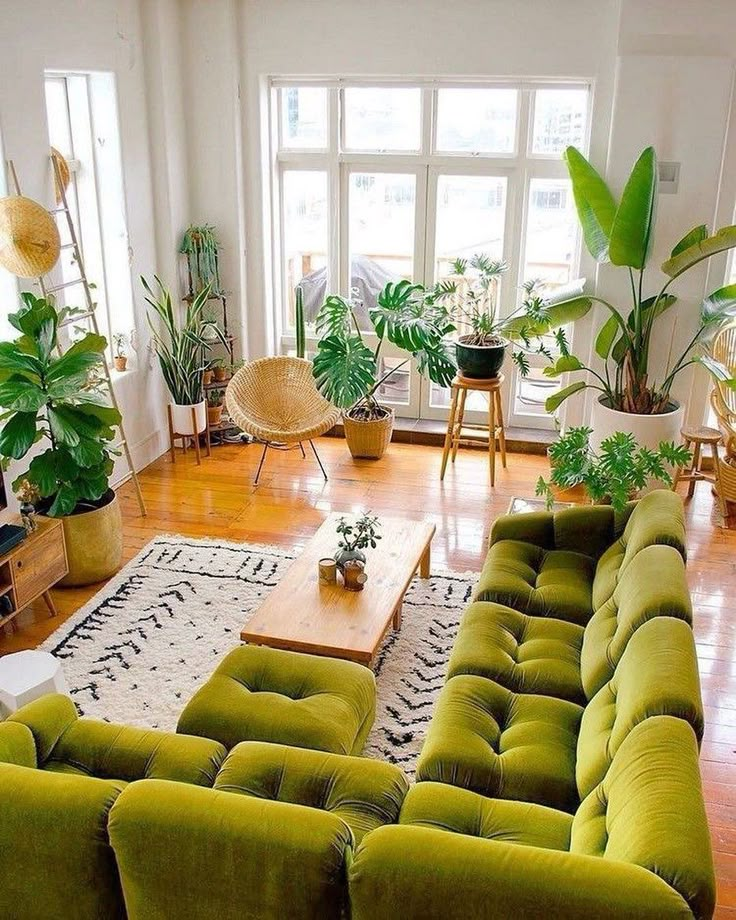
{"x":304,"y":616}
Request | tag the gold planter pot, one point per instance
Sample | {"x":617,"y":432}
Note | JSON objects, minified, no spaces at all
{"x":94,"y":544}
{"x":368,"y":439}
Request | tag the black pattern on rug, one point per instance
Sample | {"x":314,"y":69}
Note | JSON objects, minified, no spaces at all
{"x":140,"y":648}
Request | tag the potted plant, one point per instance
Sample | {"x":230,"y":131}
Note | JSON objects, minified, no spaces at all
{"x":631,"y":398}
{"x":207,"y":375}
{"x":346,"y":369}
{"x":215,"y":400}
{"x":481,"y":352}
{"x":356,"y":537}
{"x":58,"y":399}
{"x":180,"y":347}
{"x":202,"y":252}
{"x":219,"y":370}
{"x":613,"y":474}
{"x":120,"y":344}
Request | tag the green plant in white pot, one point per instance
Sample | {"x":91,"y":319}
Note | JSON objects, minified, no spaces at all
{"x":630,"y":396}
{"x":179,"y":340}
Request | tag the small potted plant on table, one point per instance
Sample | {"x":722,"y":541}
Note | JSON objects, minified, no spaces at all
{"x":615,"y":473}
{"x":356,"y":537}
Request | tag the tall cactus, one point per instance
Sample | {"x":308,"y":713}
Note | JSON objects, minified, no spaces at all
{"x":301,"y":334}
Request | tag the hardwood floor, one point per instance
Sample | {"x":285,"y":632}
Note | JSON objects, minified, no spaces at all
{"x":218,"y":498}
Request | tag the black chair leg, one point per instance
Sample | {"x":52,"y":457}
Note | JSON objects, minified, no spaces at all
{"x":314,"y":449}
{"x":260,"y":465}
{"x":301,"y":448}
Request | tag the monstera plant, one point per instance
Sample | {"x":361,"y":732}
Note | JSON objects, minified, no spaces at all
{"x":58,"y":399}
{"x":621,"y":232}
{"x":347,"y":369}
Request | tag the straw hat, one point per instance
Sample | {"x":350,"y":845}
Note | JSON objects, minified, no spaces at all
{"x":29,"y":237}
{"x":60,"y":168}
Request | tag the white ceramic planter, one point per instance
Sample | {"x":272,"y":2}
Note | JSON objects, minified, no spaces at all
{"x":649,"y":430}
{"x":181,"y":417}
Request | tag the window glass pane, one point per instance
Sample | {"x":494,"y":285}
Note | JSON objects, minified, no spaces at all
{"x":381,"y":229}
{"x":532,"y":391}
{"x":382,"y":118}
{"x":552,"y":232}
{"x":305,"y":239}
{"x":560,"y":117}
{"x":471,"y":213}
{"x":304,"y":117}
{"x":396,"y":388}
{"x":476,"y":120}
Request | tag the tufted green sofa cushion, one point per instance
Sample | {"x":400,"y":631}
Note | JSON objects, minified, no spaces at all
{"x":654,"y":584}
{"x":657,"y":519}
{"x":460,"y":811}
{"x":541,"y":582}
{"x":522,"y":653}
{"x":204,"y":854}
{"x":17,"y":745}
{"x":657,"y":675}
{"x":502,"y":744}
{"x":365,"y":793}
{"x":86,"y":747}
{"x":648,"y":811}
{"x":264,"y":694}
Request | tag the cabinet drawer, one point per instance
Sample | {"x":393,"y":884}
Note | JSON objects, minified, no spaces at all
{"x":37,"y":567}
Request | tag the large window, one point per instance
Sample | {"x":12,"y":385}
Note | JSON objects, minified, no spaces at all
{"x":379,"y":182}
{"x":82,"y":118}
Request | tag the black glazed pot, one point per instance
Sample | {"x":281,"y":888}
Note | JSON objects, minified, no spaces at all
{"x":480,"y":362}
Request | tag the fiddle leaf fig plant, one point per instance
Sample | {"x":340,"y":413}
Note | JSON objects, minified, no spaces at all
{"x":621,"y":232}
{"x":615,"y":473}
{"x":57,"y":399}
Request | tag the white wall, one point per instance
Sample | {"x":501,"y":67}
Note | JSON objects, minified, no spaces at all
{"x":102,"y":35}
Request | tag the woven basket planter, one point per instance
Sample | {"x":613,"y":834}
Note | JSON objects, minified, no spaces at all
{"x":727,"y":473}
{"x":368,"y":439}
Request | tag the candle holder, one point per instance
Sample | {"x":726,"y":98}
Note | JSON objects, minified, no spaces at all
{"x":327,"y":571}
{"x":353,"y":573}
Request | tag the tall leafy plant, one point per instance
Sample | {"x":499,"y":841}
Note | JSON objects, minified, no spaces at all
{"x":180,"y":340}
{"x":407,"y":315}
{"x":58,"y":399}
{"x":621,"y":232}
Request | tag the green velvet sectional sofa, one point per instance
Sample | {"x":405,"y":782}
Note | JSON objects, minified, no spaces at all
{"x":559,"y":777}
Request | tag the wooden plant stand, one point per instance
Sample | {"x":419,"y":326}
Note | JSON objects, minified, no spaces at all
{"x":32,"y":567}
{"x":494,"y":431}
{"x":701,"y":436}
{"x":174,"y":435}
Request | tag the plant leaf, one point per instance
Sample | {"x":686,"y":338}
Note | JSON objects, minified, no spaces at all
{"x":606,"y":336}
{"x":594,"y":202}
{"x":633,"y":225}
{"x":564,"y":365}
{"x":65,"y":501}
{"x":42,"y":471}
{"x":334,"y":316}
{"x":696,"y":235}
{"x":344,"y":369}
{"x":559,"y":314}
{"x":724,"y":239}
{"x":18,"y":435}
{"x":552,"y":403}
{"x":21,"y":395}
{"x":717,"y":307}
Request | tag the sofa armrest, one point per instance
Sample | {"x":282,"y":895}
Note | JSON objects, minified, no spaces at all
{"x":536,"y":528}
{"x":17,"y":745}
{"x":438,"y":875}
{"x":56,"y":860}
{"x":176,"y":844}
{"x":48,"y":718}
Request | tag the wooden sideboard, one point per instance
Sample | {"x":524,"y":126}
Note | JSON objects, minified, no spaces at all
{"x":32,"y":567}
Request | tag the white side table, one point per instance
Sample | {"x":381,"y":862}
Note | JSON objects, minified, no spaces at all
{"x":24,"y":676}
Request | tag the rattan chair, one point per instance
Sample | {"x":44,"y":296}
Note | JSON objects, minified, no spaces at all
{"x":277,"y":402}
{"x":723,"y":398}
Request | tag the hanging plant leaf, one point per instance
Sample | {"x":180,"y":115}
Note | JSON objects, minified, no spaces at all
{"x":721,"y":241}
{"x":552,"y":403}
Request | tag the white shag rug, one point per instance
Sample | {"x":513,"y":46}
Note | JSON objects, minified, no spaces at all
{"x":141,"y":647}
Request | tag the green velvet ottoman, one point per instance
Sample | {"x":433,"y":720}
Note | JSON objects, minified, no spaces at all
{"x":263,"y":694}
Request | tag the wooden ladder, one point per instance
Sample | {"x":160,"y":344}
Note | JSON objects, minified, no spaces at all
{"x":88,"y":314}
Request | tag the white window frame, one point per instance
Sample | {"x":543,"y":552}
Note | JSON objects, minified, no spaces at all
{"x":519,"y":168}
